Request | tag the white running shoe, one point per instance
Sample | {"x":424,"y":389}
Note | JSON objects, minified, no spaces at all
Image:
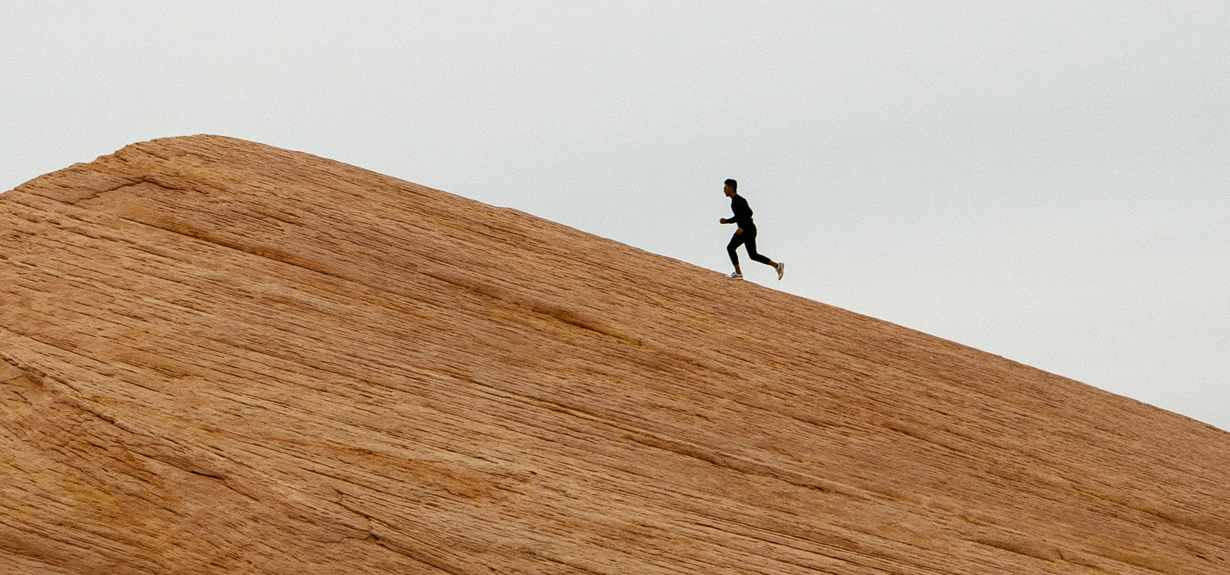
{"x":781,"y":270}
{"x":737,"y":275}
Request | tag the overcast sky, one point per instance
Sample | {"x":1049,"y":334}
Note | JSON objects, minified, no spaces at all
{"x":1044,"y":180}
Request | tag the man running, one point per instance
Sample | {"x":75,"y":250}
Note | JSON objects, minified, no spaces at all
{"x":746,"y":234}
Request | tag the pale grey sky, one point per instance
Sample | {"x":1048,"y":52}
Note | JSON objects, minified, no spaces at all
{"x":1044,"y":180}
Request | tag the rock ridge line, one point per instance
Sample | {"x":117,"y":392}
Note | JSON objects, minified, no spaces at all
{"x":218,"y":356}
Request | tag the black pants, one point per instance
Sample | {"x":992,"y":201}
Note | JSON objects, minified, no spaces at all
{"x":747,"y":238}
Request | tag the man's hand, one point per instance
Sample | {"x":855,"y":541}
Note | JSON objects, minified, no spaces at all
{"x":739,"y":231}
{"x":723,"y":220}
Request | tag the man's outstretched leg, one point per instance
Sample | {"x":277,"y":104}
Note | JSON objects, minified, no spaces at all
{"x":750,"y":243}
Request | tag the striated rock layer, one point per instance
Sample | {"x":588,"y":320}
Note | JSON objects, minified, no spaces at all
{"x":222,"y":357}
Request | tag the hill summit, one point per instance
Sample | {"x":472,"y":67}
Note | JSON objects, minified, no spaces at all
{"x":222,"y":357}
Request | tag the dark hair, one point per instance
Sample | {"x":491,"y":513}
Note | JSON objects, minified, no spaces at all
{"x":733,"y":184}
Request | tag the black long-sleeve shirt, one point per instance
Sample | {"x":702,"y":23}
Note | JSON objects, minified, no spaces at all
{"x":743,"y":212}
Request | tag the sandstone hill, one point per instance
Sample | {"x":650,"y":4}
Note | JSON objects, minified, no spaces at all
{"x":222,"y":357}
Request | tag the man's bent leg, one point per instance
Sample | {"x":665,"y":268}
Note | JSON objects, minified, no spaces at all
{"x":735,"y":241}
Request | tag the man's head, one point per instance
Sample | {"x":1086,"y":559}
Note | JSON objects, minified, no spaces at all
{"x":732,"y":188}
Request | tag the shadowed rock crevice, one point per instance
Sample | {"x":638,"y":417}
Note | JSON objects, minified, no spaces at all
{"x":222,"y":357}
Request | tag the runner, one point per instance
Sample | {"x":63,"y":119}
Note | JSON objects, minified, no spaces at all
{"x":745,"y":235}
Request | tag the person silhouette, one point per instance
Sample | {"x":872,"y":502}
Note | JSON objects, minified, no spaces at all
{"x":745,"y":235}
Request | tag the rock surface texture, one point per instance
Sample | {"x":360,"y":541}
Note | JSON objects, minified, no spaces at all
{"x":222,"y":357}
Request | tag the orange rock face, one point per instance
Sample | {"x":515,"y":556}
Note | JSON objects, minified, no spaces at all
{"x":221,"y":357}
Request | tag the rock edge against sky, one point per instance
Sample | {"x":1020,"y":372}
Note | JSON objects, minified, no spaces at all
{"x":218,"y":356}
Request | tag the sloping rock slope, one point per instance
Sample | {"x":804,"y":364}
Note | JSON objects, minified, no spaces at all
{"x":222,"y":357}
